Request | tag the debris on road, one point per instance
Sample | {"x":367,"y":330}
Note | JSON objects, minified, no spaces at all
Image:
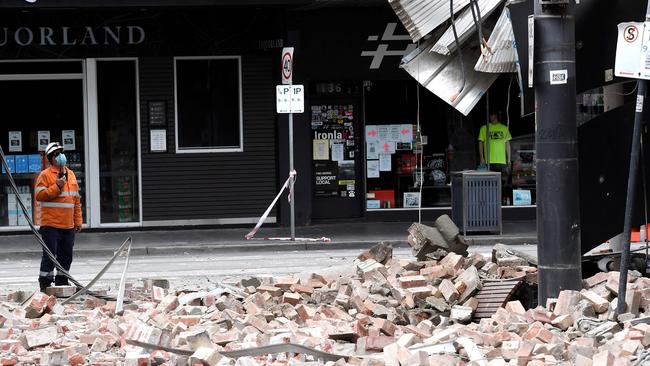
{"x":388,"y":311}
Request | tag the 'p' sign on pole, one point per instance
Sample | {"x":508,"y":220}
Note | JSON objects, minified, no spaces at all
{"x":289,"y":99}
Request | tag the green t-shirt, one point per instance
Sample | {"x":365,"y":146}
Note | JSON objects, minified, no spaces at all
{"x":499,"y":135}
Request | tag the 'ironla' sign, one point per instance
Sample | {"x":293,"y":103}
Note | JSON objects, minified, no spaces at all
{"x":67,"y":36}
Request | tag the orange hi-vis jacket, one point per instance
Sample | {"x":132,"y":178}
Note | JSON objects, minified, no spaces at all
{"x":60,"y":208}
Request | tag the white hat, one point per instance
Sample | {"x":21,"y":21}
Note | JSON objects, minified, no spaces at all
{"x":52,"y":147}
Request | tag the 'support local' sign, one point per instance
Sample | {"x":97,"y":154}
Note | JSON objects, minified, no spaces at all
{"x":68,"y":36}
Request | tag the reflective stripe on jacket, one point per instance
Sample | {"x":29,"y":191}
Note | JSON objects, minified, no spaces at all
{"x":60,"y":208}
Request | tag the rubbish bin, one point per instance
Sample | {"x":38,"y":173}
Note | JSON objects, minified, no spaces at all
{"x":476,"y":201}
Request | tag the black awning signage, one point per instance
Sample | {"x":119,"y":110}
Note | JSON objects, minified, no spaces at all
{"x":71,"y":36}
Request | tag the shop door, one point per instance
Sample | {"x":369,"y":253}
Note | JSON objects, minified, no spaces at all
{"x":117,"y":141}
{"x":42,"y":102}
{"x":336,"y":155}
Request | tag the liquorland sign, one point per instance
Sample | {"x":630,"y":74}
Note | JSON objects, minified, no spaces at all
{"x":69,"y":36}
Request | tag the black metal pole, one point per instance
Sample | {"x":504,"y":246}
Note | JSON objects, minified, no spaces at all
{"x":558,"y":214}
{"x":631,"y":193}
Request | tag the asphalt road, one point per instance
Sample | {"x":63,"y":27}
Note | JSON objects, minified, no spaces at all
{"x":186,"y":269}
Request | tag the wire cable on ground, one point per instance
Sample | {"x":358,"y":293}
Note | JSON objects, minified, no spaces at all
{"x":46,"y":250}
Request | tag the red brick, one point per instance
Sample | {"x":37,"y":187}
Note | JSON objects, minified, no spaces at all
{"x":285,"y":283}
{"x":377,"y":343}
{"x":291,"y":298}
{"x":386,"y":326}
{"x":274,"y":291}
{"x":599,"y":277}
{"x":436,"y":271}
{"x":515,"y":307}
{"x":412,"y":281}
{"x":302,"y":289}
{"x":8,"y":360}
{"x":603,"y":358}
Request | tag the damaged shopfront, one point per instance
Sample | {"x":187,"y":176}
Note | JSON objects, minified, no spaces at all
{"x":360,"y":157}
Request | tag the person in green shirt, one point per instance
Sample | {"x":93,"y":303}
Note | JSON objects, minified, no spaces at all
{"x":499,"y":144}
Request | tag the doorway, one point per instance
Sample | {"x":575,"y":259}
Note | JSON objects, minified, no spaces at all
{"x":42,"y":102}
{"x":91,"y":107}
{"x":337,"y":156}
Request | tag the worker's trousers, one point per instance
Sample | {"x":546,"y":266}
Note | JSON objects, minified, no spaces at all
{"x":60,"y":242}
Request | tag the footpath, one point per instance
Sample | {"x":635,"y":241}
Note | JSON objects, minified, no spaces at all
{"x":358,"y":235}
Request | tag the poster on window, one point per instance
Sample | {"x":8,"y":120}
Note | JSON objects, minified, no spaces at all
{"x":372,"y":150}
{"x":373,"y":168}
{"x":382,"y":133}
{"x":338,"y":151}
{"x":394,"y":133}
{"x":321,"y":150}
{"x":371,"y":133}
{"x":385,"y":163}
{"x":387,"y":147}
{"x":15,"y":141}
{"x":406,"y":133}
{"x":43,"y":140}
{"x":158,"y":140}
{"x":326,"y":178}
{"x":411,"y":199}
{"x":346,"y":172}
{"x":68,"y":140}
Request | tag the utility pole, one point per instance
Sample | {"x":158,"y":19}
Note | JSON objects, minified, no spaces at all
{"x":558,"y":210}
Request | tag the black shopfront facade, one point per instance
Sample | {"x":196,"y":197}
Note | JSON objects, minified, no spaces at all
{"x":348,"y":59}
{"x":166,"y":113}
{"x":169,"y":116}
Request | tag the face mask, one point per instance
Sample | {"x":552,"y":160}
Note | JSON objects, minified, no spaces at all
{"x":61,"y":160}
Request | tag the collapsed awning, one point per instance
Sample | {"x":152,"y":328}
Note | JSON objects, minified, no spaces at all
{"x":502,"y":48}
{"x":465,"y":26}
{"x":422,"y":16}
{"x":443,"y":75}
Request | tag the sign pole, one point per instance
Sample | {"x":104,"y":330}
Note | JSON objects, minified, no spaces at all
{"x":292,"y":203}
{"x":631,"y":185}
{"x":287,"y":78}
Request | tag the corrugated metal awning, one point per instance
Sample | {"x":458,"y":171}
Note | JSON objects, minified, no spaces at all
{"x":442,"y":75}
{"x":502,"y":55}
{"x":422,"y":16}
{"x":465,"y":27}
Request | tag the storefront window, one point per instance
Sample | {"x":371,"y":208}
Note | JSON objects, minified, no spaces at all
{"x":403,"y":171}
{"x":34,"y":113}
{"x":208,"y":104}
{"x":118,"y":164}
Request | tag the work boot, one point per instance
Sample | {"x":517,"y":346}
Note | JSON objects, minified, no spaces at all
{"x":61,"y":281}
{"x":44,"y":285}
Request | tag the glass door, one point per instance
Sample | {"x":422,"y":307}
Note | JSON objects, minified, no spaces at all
{"x":117,"y":132}
{"x":41,"y":102}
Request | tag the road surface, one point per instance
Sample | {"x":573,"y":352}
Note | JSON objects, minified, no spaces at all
{"x":198,"y":269}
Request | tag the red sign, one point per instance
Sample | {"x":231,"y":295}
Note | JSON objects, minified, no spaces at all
{"x":287,"y":65}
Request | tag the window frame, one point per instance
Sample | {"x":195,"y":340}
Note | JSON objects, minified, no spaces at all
{"x":211,"y":149}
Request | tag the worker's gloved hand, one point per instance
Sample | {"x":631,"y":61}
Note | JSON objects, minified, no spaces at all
{"x":61,"y":181}
{"x":482,"y":167}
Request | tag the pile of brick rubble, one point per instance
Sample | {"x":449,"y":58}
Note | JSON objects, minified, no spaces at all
{"x":383,"y":311}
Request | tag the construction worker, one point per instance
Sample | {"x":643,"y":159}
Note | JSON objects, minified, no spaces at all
{"x":497,"y":148}
{"x":58,"y":192}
